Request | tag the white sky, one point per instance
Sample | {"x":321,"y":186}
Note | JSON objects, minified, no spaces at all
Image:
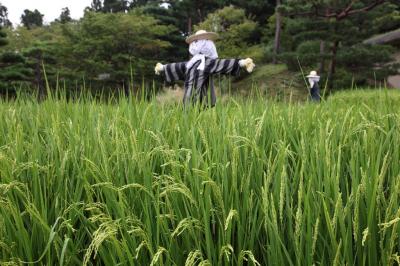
{"x":51,"y":9}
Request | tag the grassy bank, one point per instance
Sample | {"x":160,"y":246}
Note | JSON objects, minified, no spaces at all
{"x":249,"y":182}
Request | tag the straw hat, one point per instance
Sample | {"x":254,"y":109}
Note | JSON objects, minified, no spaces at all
{"x":202,"y":35}
{"x":313,"y":74}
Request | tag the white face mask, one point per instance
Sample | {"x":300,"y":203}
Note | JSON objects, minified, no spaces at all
{"x":201,"y":49}
{"x":204,"y":47}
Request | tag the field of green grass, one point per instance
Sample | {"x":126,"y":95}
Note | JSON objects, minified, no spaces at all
{"x":250,"y":182}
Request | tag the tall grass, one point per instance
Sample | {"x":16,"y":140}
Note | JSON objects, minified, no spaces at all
{"x":246,"y":183}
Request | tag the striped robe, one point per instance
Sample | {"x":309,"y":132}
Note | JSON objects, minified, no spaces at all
{"x":199,"y":85}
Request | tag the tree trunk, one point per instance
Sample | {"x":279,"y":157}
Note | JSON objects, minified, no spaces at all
{"x":38,"y":77}
{"x":322,"y":53}
{"x":278,"y":27}
{"x":189,"y":25}
{"x":200,"y":15}
{"x":332,"y":66}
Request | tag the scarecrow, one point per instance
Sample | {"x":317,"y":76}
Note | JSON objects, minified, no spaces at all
{"x":313,"y":80}
{"x":197,"y":73}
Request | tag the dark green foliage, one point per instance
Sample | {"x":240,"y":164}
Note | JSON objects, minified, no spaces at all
{"x":32,"y":19}
{"x":235,"y":31}
{"x":65,"y":16}
{"x":113,"y":6}
{"x":3,"y":40}
{"x":363,"y":63}
{"x":120,"y":47}
{"x":165,"y":16}
{"x":4,"y":21}
{"x":192,"y":12}
{"x":41,"y":55}
{"x":27,"y":67}
{"x":109,"y":6}
{"x":10,"y":57}
{"x":140,"y":3}
{"x":261,"y":10}
{"x":96,"y":6}
{"x":102,"y":50}
{"x":343,"y":58}
{"x":110,"y":48}
{"x":14,"y":71}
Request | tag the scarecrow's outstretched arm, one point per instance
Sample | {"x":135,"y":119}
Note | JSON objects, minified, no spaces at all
{"x":228,"y":66}
{"x":172,"y":72}
{"x":176,"y":71}
{"x":222,"y":66}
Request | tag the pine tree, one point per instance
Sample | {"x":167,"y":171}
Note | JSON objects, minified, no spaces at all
{"x":22,"y":60}
{"x":259,"y":10}
{"x":39,"y":58}
{"x":165,"y":17}
{"x":14,"y":72}
{"x":341,"y":26}
{"x":12,"y":65}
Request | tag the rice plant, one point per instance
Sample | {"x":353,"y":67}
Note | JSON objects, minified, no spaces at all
{"x":249,"y":182}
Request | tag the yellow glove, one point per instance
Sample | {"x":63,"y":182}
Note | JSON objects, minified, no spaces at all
{"x":248,"y":64}
{"x":159,"y":68}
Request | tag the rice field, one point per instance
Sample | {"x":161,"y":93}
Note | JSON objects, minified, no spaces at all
{"x":250,"y":182}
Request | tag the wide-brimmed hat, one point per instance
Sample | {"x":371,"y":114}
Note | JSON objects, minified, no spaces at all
{"x":202,"y":35}
{"x":313,"y":74}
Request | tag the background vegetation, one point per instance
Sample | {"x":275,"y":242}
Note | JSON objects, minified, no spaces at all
{"x":115,"y":45}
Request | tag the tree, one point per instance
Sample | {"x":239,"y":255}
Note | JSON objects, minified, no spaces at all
{"x":40,"y":57}
{"x":259,"y":10}
{"x":13,"y":72}
{"x":97,"y":6}
{"x":3,"y":42}
{"x":338,"y":24}
{"x":113,"y":6}
{"x":32,"y":19}
{"x":11,"y":65}
{"x":278,"y":28}
{"x":192,"y":12}
{"x":236,"y":33}
{"x":22,"y":60}
{"x":165,"y":16}
{"x":140,"y":3}
{"x":109,"y":6}
{"x":4,"y":21}
{"x":125,"y":47}
{"x":3,"y":35}
{"x":105,"y":50}
{"x":65,"y":16}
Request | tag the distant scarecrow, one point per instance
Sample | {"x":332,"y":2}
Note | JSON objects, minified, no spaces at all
{"x":199,"y":70}
{"x":313,"y":80}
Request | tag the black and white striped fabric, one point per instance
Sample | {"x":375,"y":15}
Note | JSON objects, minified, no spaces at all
{"x":199,"y":85}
